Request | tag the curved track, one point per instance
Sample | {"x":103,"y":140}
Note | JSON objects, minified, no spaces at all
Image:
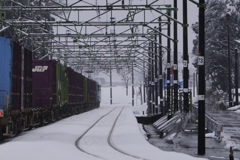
{"x":79,"y":139}
{"x":115,"y":149}
{"x":110,"y":142}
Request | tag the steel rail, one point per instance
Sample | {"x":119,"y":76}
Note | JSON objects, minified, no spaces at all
{"x":78,"y":140}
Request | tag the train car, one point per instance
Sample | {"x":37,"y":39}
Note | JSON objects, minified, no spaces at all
{"x":75,"y":81}
{"x":61,"y":89}
{"x":98,"y":93}
{"x":44,"y":84}
{"x":50,"y":84}
{"x":90,"y":93}
{"x":35,"y":93}
{"x":6,"y":56}
{"x":50,"y":91}
{"x":15,"y":86}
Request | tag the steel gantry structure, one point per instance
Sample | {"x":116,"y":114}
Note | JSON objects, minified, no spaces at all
{"x":103,"y":35}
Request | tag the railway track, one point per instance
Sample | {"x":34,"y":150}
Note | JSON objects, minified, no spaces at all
{"x":106,"y":125}
{"x":81,"y":137}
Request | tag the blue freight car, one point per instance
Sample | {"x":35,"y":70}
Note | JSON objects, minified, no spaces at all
{"x":6,"y":54}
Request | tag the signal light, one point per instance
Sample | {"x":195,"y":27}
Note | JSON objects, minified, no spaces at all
{"x":1,"y":113}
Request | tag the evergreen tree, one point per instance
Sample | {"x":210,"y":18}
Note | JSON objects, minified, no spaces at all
{"x":22,"y":15}
{"x":221,"y":16}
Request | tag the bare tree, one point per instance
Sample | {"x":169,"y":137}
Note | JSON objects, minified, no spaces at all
{"x":126,"y":77}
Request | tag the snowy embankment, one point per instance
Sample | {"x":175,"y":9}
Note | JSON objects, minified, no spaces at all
{"x":52,"y":142}
{"x":57,"y":141}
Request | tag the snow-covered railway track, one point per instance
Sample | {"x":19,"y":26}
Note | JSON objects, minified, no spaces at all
{"x":97,"y":139}
{"x":79,"y":138}
{"x":110,"y":142}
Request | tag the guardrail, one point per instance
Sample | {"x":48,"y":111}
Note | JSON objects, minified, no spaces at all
{"x":210,"y":123}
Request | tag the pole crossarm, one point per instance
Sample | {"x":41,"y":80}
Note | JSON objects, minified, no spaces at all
{"x":194,"y":2}
{"x":154,"y":29}
{"x":167,"y":15}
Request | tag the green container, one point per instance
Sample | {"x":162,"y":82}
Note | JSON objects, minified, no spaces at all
{"x":62,"y":84}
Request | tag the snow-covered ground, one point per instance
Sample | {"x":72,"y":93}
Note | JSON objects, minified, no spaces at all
{"x":62,"y":140}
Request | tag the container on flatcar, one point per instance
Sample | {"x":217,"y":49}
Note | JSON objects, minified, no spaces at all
{"x":71,"y":82}
{"x":6,"y":56}
{"x":98,"y":93}
{"x":16,"y":78}
{"x":28,"y":78}
{"x":92,"y":89}
{"x":21,"y":78}
{"x":92,"y":92}
{"x":80,"y":88}
{"x":44,"y":83}
{"x":75,"y":81}
{"x":62,"y":84}
{"x":50,"y":83}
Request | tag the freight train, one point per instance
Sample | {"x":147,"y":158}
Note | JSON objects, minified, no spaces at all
{"x":37,"y":92}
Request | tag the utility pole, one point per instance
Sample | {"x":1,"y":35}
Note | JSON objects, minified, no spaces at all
{"x":152,"y":77}
{"x":228,"y":16}
{"x":185,"y":58}
{"x":168,"y":64}
{"x":156,"y":73}
{"x":236,"y":75}
{"x":201,"y":84}
{"x":194,"y":84}
{"x":132,"y":86}
{"x":110,"y":84}
{"x":149,"y":81}
{"x":160,"y":68}
{"x":144,"y":83}
{"x":140,"y":89}
{"x":175,"y":66}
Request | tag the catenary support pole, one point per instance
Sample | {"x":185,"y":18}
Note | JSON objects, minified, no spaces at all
{"x":152,"y":78}
{"x":185,"y":58}
{"x":236,"y":76}
{"x":110,"y":85}
{"x":144,"y":83}
{"x":229,"y":64}
{"x":201,"y":82}
{"x":156,"y":73}
{"x":168,"y":64}
{"x":194,"y":84}
{"x":140,"y":89}
{"x":149,"y":81}
{"x":160,"y":68}
{"x":175,"y":36}
{"x":132,"y":85}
